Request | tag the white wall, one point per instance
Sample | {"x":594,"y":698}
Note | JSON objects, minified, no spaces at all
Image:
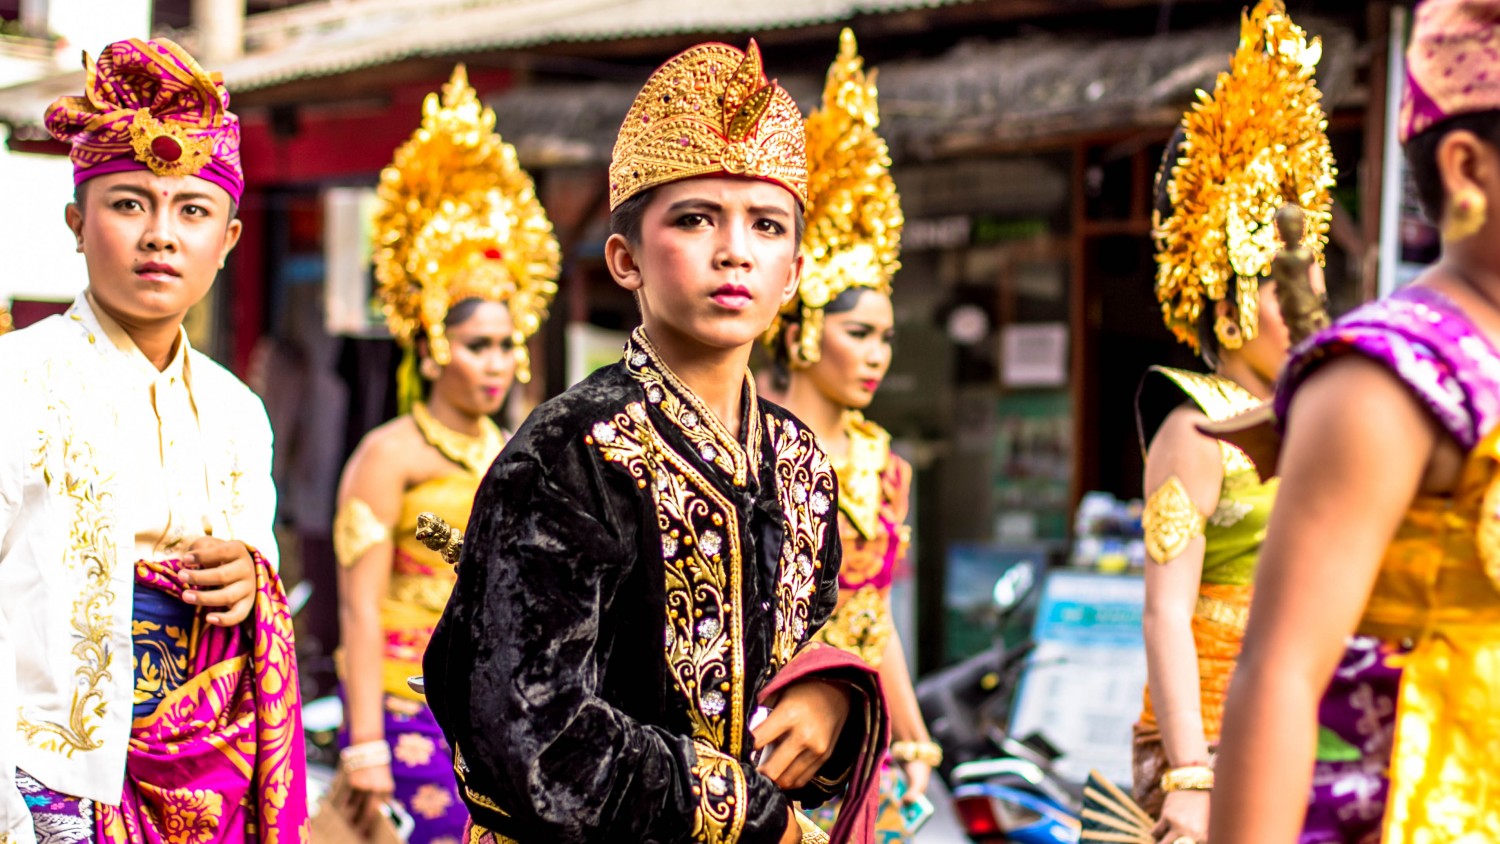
{"x":39,"y":261}
{"x":92,"y":24}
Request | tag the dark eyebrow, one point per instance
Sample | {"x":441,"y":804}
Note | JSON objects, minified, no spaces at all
{"x":182,"y":196}
{"x":694,"y":204}
{"x":770,"y":211}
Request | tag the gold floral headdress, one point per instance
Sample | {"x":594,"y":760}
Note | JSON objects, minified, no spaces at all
{"x":459,"y":219}
{"x":709,"y":111}
{"x":853,"y":235}
{"x":1257,"y":142}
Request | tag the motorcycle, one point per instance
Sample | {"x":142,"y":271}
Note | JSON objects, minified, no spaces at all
{"x":1004,"y":789}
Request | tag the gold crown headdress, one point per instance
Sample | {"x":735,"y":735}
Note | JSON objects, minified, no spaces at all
{"x":709,"y":111}
{"x":459,"y":219}
{"x":853,"y":235}
{"x":1257,"y":142}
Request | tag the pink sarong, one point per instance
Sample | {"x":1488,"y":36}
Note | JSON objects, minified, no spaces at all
{"x":221,"y":760}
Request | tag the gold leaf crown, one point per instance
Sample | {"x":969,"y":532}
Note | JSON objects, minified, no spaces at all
{"x":459,"y":219}
{"x":853,"y":235}
{"x":1260,"y":140}
{"x":709,"y":111}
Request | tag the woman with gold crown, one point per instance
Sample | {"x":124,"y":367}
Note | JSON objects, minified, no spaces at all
{"x":831,"y":348}
{"x":1255,"y":144}
{"x":1389,"y":504}
{"x":466,"y":263}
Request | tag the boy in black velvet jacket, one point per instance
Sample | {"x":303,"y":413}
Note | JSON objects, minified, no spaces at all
{"x":655,"y":544}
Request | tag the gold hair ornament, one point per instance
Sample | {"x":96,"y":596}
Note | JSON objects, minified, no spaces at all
{"x":709,"y":111}
{"x":459,"y":219}
{"x":854,"y":221}
{"x":1258,"y":142}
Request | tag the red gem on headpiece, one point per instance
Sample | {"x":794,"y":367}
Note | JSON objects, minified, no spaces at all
{"x":166,"y":147}
{"x":493,"y":254}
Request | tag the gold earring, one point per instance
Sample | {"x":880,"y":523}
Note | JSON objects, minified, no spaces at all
{"x":1465,"y":215}
{"x":430,"y":369}
{"x":1228,"y":332}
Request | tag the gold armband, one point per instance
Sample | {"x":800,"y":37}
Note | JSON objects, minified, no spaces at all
{"x":1188,"y":778}
{"x":1171,"y":520}
{"x":356,"y":529}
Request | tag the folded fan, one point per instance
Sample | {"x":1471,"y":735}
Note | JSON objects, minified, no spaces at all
{"x":1110,"y":815}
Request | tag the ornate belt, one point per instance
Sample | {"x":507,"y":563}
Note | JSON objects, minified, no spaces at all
{"x":1222,"y":612}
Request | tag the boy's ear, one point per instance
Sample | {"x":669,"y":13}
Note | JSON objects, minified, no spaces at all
{"x":794,"y":280}
{"x":74,"y":217}
{"x":621,"y":263}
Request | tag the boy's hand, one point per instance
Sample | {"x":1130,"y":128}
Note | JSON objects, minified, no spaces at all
{"x":222,"y":576}
{"x":793,"y":833}
{"x":804,"y":726}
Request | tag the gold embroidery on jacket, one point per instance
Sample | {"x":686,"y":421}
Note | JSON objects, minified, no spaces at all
{"x":702,"y":567}
{"x":71,"y":470}
{"x":698,"y":424}
{"x":805,"y":487}
{"x":719,"y":785}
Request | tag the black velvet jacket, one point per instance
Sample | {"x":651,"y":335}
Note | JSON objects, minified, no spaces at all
{"x":631,"y":577}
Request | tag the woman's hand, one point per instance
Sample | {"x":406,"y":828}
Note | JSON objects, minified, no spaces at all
{"x":918,"y":777}
{"x":804,"y":726}
{"x":370,"y":789}
{"x":1183,"y":813}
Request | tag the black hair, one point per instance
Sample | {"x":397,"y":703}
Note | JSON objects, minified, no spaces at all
{"x":625,"y":220}
{"x":1421,"y":155}
{"x":1208,"y":342}
{"x":80,"y":192}
{"x":781,"y":362}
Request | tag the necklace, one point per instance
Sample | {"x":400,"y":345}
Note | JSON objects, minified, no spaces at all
{"x":473,"y":453}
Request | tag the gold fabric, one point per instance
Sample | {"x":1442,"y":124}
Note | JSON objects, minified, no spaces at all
{"x":457,"y":218}
{"x":874,"y":491}
{"x":1258,"y":142}
{"x":861,"y":625}
{"x":854,"y":220}
{"x":1170,"y":521}
{"x":356,"y":529}
{"x":860,"y":491}
{"x":1434,"y":590}
{"x":420,"y":580}
{"x":709,"y":110}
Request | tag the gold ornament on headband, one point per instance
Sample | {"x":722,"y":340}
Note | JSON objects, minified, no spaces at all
{"x":166,"y":147}
{"x":853,"y":235}
{"x":459,"y":219}
{"x":1257,"y":143}
{"x":709,"y":111}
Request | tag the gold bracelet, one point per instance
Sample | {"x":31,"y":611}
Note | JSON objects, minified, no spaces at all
{"x":1188,"y":778}
{"x":927,"y":752}
{"x":369,"y":754}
